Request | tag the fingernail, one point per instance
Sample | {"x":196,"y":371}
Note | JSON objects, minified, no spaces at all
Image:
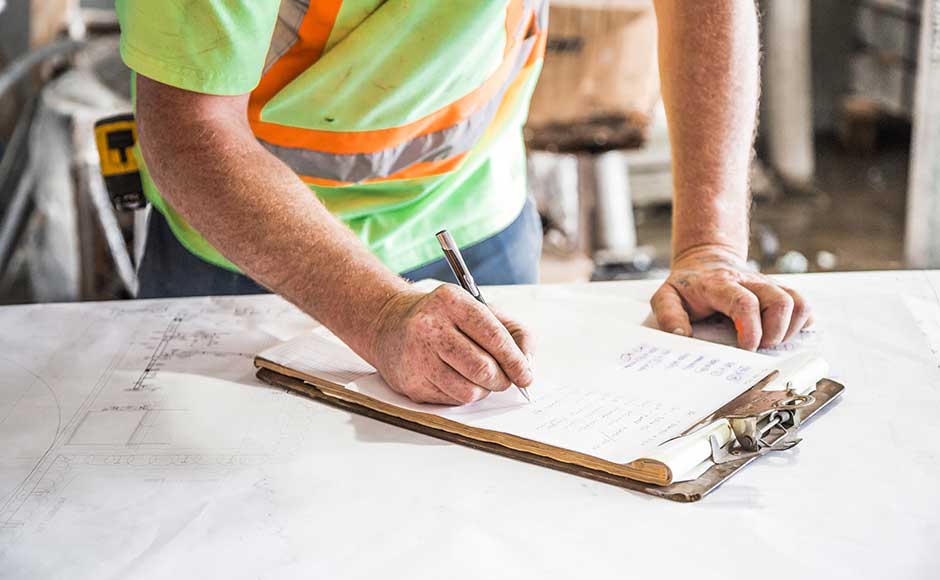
{"x":679,"y":331}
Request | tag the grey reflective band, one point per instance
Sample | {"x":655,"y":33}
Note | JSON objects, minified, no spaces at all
{"x":437,"y":146}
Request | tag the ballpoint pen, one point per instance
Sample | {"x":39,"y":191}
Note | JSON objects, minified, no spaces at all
{"x":464,"y":278}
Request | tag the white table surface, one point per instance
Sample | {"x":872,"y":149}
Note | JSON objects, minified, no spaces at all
{"x":135,"y":442}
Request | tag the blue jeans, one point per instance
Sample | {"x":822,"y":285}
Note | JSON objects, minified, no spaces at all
{"x":509,"y":257}
{"x":168,"y":269}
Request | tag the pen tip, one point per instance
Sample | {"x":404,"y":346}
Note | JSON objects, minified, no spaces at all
{"x":525,"y":393}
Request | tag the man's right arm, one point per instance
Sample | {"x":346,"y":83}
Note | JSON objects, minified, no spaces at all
{"x":200,"y":151}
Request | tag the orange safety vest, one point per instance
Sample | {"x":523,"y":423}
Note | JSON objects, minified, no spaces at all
{"x":432,"y":145}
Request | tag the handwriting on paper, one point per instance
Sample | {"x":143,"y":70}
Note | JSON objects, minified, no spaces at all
{"x":601,"y":419}
{"x":645,"y":357}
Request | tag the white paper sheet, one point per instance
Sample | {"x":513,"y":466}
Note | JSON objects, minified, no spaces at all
{"x":604,"y":386}
{"x":229,"y":478}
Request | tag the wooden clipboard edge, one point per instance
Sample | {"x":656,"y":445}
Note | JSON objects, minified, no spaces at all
{"x":826,"y":392}
{"x":646,"y":470}
{"x":293,"y":384}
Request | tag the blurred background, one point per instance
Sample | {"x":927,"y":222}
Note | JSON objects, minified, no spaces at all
{"x":847,"y":166}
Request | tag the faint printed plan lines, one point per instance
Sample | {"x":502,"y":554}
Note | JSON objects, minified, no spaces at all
{"x":151,"y":369}
{"x":38,"y":379}
{"x":9,"y":415}
{"x":136,"y":392}
{"x":176,"y":343}
{"x":74,"y":388}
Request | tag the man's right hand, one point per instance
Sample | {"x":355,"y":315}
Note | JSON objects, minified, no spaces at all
{"x":442,"y":347}
{"x":445,"y":347}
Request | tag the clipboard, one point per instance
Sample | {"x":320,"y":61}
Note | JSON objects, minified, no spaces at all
{"x":765,"y":418}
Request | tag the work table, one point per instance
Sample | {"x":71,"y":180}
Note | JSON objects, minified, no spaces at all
{"x":135,"y":442}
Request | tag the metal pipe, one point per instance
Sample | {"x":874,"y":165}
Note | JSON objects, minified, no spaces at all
{"x":16,"y":150}
{"x":12,"y":219}
{"x":20,"y":67}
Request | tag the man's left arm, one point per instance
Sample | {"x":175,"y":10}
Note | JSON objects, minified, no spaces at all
{"x":709,"y":66}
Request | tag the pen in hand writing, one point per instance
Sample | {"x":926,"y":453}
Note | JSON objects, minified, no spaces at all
{"x":464,"y":278}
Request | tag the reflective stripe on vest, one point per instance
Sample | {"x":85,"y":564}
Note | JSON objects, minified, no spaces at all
{"x":432,"y":145}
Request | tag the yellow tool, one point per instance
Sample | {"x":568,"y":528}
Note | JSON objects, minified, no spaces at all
{"x":115,"y":137}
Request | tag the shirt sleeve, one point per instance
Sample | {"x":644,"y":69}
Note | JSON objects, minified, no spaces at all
{"x":207,"y":46}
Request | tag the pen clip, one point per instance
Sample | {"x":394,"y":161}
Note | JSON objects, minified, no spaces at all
{"x":459,"y":267}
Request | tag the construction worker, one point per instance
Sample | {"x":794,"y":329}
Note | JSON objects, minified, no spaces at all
{"x":314,"y":147}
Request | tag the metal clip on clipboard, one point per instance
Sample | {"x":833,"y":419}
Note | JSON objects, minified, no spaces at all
{"x":769,"y":422}
{"x":766,"y":417}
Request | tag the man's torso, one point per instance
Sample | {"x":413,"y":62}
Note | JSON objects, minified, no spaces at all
{"x":402,"y":116}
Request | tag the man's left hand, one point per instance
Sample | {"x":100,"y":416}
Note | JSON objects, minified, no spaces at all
{"x":714,"y":279}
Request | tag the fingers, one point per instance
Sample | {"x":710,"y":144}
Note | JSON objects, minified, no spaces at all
{"x":525,"y":340}
{"x":456,"y":386}
{"x":424,"y":392}
{"x":670,"y":312}
{"x":776,"y":310}
{"x":743,"y":307}
{"x":428,"y":392}
{"x":764,"y":313}
{"x":472,"y":362}
{"x":802,"y":316}
{"x":452,"y":350}
{"x":483,"y":328}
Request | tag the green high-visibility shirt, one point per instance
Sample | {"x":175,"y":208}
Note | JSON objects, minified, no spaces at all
{"x":381,"y":65}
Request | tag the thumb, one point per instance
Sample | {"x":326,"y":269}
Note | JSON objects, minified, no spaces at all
{"x":670,"y":312}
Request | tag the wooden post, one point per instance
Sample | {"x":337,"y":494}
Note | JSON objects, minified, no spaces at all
{"x":922,"y":239}
{"x":48,"y":18}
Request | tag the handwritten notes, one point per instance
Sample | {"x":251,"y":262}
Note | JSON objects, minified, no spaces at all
{"x":645,"y":357}
{"x":605,"y":385}
{"x":608,"y":418}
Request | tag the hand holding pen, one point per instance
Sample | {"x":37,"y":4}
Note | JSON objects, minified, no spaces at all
{"x":465,"y":279}
{"x":445,"y":347}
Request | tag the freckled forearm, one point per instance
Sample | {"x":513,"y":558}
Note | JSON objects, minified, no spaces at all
{"x":708,"y":54}
{"x":259,"y":215}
